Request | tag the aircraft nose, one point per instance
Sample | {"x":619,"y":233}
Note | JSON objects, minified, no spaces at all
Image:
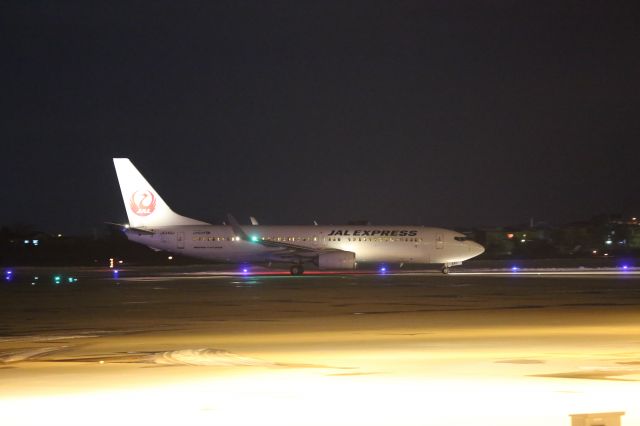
{"x":475,"y":248}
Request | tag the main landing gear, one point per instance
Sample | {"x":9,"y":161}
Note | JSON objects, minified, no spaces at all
{"x":445,"y":269}
{"x":296,"y":269}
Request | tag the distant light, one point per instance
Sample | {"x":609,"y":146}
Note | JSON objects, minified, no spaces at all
{"x":245,"y":270}
{"x":523,"y":240}
{"x":111,"y":262}
{"x":625,"y":267}
{"x":634,"y":218}
{"x":510,"y":236}
{"x":383,"y":269}
{"x":608,"y":242}
{"x":126,"y":226}
{"x":59,"y":235}
{"x":606,"y":254}
{"x":36,"y":242}
{"x":70,"y":279}
{"x":9,"y":272}
{"x":26,"y":241}
{"x":514,"y":268}
{"x":254,"y":238}
{"x":170,"y":257}
{"x":57,"y":279}
{"x":595,"y":252}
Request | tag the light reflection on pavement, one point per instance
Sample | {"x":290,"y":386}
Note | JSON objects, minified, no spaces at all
{"x":409,"y":349}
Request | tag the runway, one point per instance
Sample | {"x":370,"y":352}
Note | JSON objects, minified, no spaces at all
{"x":188,"y":345}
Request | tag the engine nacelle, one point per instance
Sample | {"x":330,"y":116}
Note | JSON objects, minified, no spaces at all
{"x":337,"y":260}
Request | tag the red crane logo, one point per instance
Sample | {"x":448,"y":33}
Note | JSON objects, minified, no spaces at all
{"x":143,"y":203}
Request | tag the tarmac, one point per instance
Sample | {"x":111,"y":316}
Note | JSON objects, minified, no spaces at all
{"x":201,"y":347}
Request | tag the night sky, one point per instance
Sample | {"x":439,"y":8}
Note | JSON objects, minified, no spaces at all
{"x":439,"y":113}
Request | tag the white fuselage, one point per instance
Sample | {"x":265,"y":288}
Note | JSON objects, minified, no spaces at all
{"x":400,"y":244}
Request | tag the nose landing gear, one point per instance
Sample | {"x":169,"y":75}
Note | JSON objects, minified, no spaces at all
{"x":447,"y":265}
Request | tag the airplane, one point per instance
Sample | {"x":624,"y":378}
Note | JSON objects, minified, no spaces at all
{"x":341,"y":247}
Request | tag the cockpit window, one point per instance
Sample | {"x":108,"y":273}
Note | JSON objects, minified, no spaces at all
{"x":465,"y":238}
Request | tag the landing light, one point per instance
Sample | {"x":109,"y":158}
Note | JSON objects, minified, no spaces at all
{"x":254,"y":238}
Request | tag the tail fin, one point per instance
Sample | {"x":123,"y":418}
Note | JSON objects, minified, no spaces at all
{"x":144,"y":205}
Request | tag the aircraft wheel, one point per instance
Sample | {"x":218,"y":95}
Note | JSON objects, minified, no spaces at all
{"x":445,"y":270}
{"x":297,"y":270}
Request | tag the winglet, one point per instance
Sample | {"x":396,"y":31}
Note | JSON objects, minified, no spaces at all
{"x":236,"y":227}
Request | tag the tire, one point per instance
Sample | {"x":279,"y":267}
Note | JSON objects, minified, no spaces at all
{"x":445,"y":270}
{"x":297,"y":270}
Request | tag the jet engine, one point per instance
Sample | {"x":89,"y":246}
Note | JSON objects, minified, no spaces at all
{"x":337,"y":260}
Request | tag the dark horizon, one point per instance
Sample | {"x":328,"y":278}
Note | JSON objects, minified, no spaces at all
{"x":441,"y":114}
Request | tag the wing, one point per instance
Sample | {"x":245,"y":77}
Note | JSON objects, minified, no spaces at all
{"x":283,"y":249}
